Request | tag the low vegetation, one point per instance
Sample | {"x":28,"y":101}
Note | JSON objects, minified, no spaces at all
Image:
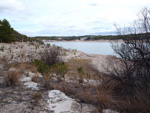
{"x":90,"y":71}
{"x":51,"y":66}
{"x":51,"y":56}
{"x":11,"y":78}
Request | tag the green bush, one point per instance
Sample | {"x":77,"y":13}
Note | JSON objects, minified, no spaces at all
{"x":48,"y":45}
{"x":41,"y":66}
{"x":60,"y":69}
{"x":6,"y":32}
{"x":81,"y":73}
{"x":2,"y":48}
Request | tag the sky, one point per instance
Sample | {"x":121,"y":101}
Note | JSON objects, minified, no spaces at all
{"x":69,"y":17}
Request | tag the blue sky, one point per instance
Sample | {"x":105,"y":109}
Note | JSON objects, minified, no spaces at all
{"x":69,"y":17}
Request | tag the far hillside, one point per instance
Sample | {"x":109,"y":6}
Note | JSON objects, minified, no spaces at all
{"x":23,"y":38}
{"x":8,"y":34}
{"x":92,"y":38}
{"x":72,"y":38}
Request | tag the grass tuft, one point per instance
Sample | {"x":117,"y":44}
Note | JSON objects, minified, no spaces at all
{"x":11,"y":79}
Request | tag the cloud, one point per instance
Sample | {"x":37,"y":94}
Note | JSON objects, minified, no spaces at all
{"x":69,"y":17}
{"x":11,"y":6}
{"x":95,"y":4}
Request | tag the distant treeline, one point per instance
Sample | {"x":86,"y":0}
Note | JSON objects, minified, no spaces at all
{"x":88,"y":37}
{"x":108,"y":37}
{"x":57,"y":38}
{"x":71,"y":38}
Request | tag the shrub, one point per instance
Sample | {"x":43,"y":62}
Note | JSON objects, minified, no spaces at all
{"x":47,"y":80}
{"x":132,"y":78}
{"x":60,"y":69}
{"x":35,"y":78}
{"x":51,"y":56}
{"x":48,"y":45}
{"x":36,"y":96}
{"x":22,"y":67}
{"x":11,"y":78}
{"x":4,"y":59}
{"x":41,"y":66}
{"x":2,"y":48}
{"x":36,"y":47}
{"x":81,"y":73}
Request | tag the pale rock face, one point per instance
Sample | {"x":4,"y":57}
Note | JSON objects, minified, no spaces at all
{"x":30,"y":74}
{"x":12,"y":69}
{"x":29,"y":83}
{"x":59,"y":102}
{"x":109,"y":111}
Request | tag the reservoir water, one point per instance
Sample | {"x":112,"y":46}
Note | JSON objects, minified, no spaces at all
{"x":102,"y":48}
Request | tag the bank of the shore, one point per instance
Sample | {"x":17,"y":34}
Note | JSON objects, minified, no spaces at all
{"x":83,"y":41}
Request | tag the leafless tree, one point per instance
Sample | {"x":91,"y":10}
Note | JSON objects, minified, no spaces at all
{"x":134,"y":54}
{"x":51,"y":56}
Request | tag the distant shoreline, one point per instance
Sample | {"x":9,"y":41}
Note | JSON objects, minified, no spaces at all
{"x":83,"y":40}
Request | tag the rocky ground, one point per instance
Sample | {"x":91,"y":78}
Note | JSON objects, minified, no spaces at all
{"x":29,"y":96}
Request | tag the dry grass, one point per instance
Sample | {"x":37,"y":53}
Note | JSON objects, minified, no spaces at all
{"x":47,"y":81}
{"x":5,"y":59}
{"x":121,"y":98}
{"x":35,"y":78}
{"x":31,"y":67}
{"x":14,"y":65}
{"x":104,"y":97}
{"x":73,"y":64}
{"x":22,"y":67}
{"x":36,"y":96}
{"x":20,"y":99}
{"x":12,"y":56}
{"x":11,"y":78}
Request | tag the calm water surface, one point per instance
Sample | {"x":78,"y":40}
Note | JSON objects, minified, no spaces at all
{"x":103,"y":48}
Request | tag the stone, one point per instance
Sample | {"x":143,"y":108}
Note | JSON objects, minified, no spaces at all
{"x":42,"y":112}
{"x":54,"y":106}
{"x":109,"y":111}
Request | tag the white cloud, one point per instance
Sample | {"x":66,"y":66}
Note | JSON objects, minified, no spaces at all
{"x":11,"y":6}
{"x":69,"y":16}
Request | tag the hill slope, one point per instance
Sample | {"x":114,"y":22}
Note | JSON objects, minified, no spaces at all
{"x":20,"y":37}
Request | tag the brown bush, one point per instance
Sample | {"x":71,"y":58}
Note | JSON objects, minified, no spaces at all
{"x":22,"y":67}
{"x":11,"y":78}
{"x":47,"y":81}
{"x":5,"y":59}
{"x":36,"y":96}
{"x":35,"y":78}
{"x":51,"y":56}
